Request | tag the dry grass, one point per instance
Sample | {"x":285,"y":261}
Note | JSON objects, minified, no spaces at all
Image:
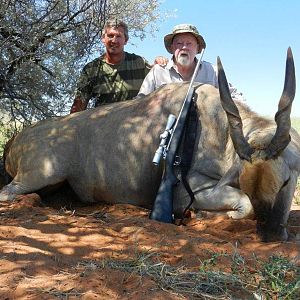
{"x":277,"y":278}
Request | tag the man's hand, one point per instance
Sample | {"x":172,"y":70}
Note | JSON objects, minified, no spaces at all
{"x":161,"y":60}
{"x":78,"y":105}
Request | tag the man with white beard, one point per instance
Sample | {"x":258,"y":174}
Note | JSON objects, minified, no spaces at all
{"x":184,"y":43}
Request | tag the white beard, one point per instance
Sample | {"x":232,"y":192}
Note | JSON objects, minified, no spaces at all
{"x":184,"y":60}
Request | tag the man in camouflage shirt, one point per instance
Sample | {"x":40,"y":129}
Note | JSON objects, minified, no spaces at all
{"x":113,"y":77}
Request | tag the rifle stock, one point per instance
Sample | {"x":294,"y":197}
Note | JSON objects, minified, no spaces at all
{"x":163,"y":205}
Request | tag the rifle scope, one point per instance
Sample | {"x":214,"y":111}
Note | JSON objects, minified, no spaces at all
{"x":164,"y":137}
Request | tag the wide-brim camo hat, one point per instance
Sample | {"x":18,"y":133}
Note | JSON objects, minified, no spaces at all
{"x":184,"y":28}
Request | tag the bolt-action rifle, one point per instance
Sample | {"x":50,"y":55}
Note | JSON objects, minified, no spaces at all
{"x":170,"y":141}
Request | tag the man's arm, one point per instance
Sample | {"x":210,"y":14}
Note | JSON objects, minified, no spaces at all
{"x":83,"y":89}
{"x":235,"y":93}
{"x":148,"y":84}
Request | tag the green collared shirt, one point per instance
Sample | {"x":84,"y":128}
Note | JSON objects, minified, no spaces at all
{"x":107,"y":83}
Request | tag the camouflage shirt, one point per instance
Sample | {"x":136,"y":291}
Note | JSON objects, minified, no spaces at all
{"x":108,"y":83}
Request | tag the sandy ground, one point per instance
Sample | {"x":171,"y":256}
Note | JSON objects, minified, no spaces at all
{"x":59,"y":251}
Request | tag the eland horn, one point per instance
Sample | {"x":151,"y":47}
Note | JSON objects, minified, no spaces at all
{"x":282,"y":118}
{"x":241,"y":145}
